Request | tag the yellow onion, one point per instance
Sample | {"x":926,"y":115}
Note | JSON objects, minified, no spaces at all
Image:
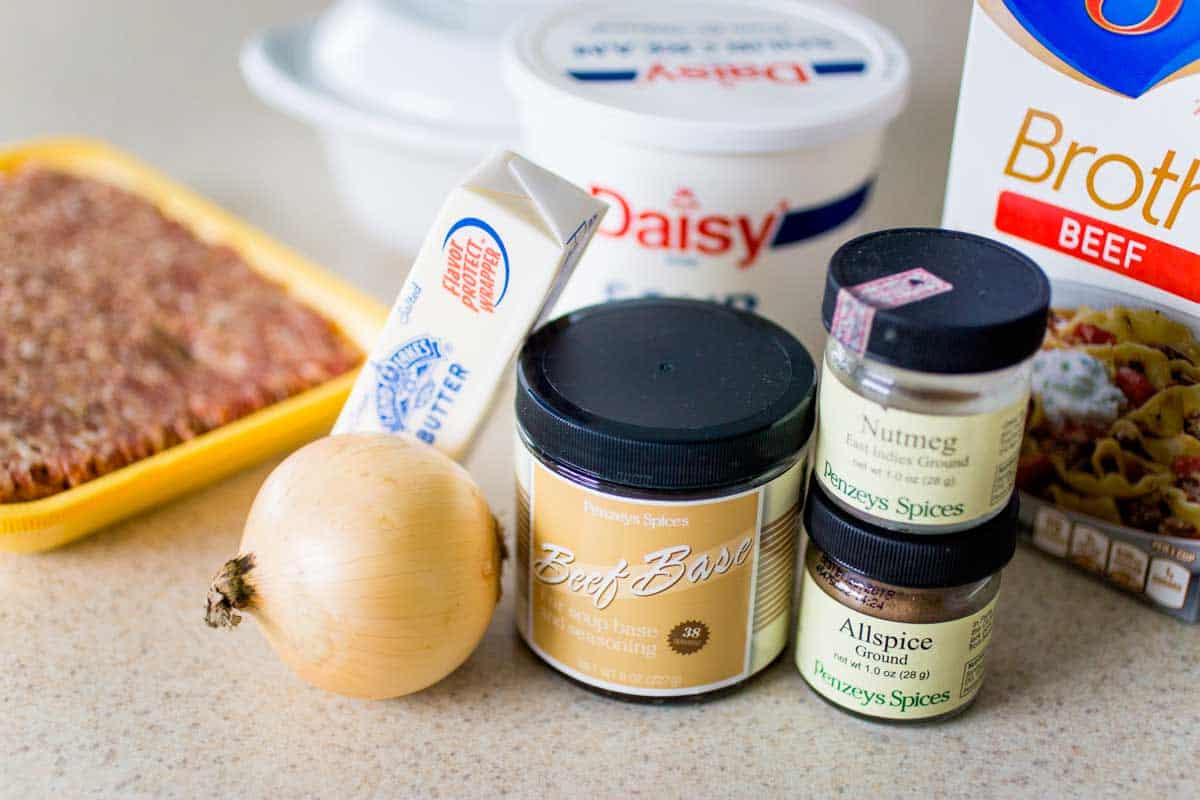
{"x":370,"y":561}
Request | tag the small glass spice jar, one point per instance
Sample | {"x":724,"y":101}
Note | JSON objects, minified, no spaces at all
{"x":660,"y":460}
{"x":893,"y":626}
{"x":926,"y":376}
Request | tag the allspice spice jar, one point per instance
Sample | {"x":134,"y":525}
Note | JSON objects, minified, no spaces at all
{"x":660,"y":458}
{"x":896,"y":627}
{"x":926,"y":377}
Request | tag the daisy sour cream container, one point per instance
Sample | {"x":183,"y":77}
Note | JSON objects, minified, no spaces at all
{"x":736,"y":142}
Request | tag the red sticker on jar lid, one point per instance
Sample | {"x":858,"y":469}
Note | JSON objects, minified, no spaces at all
{"x":854,"y":313}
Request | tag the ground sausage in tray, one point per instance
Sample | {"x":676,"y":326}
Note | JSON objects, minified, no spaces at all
{"x":122,"y":334}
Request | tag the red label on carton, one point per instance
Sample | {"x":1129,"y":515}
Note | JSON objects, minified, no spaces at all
{"x":1101,"y":244}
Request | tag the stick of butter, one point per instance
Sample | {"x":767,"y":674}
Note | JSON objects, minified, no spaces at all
{"x":503,"y":246}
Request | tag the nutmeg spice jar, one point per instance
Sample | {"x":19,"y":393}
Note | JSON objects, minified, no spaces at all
{"x":896,"y":627}
{"x":926,"y":377}
{"x":660,"y":459}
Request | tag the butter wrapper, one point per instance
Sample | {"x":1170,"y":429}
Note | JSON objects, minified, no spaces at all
{"x":504,"y":244}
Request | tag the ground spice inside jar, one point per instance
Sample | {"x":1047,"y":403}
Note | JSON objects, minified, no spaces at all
{"x":893,"y":626}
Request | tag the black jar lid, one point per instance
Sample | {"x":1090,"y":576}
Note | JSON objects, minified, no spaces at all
{"x":666,"y":394}
{"x":913,"y":561}
{"x":992,"y":318}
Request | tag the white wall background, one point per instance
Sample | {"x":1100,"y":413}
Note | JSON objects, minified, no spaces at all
{"x":935,"y":34}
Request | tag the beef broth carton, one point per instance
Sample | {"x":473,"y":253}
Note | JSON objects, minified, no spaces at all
{"x":1078,"y":141}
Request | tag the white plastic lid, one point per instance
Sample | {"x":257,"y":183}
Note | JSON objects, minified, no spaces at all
{"x":431,"y":60}
{"x":709,"y":76}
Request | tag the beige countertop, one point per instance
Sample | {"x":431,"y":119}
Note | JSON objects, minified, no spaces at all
{"x":111,"y":685}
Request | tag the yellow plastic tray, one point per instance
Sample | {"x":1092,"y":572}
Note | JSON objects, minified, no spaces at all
{"x":55,"y":520}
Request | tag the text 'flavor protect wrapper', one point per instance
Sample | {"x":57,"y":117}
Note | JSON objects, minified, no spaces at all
{"x":504,"y":244}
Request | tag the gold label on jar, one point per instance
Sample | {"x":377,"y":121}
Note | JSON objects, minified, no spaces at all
{"x":915,"y":469}
{"x":894,"y":670}
{"x":653,"y":598}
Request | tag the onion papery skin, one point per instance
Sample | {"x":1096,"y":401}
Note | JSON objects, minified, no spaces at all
{"x":376,"y":564}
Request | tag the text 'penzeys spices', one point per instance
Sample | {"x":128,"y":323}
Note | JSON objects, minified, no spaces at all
{"x":659,"y":468}
{"x":926,"y":377}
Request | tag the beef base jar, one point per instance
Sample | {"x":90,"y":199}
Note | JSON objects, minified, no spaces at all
{"x":660,"y":461}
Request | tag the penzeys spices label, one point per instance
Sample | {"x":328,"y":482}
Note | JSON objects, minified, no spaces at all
{"x":652,"y":598}
{"x":918,"y":469}
{"x":888,"y":669}
{"x":642,"y":595}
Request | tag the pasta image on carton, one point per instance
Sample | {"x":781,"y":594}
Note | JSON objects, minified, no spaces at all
{"x":1077,"y":143}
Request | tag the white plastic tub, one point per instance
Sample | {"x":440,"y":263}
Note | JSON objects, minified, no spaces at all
{"x":736,"y":141}
{"x":406,"y":95}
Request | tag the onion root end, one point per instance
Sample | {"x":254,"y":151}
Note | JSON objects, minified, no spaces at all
{"x":229,"y":593}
